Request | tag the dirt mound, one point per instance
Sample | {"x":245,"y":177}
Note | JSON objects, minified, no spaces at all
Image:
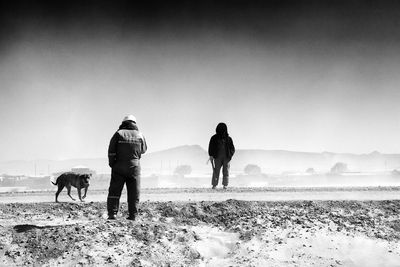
{"x":231,"y":232}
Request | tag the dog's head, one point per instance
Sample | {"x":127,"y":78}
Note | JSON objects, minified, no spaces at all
{"x":85,"y":179}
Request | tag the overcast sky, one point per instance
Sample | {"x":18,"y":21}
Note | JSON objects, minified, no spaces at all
{"x":293,"y":75}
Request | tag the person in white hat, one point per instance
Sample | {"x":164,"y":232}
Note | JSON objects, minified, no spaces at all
{"x":124,"y":153}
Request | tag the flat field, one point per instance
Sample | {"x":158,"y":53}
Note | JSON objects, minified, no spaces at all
{"x":203,"y":227}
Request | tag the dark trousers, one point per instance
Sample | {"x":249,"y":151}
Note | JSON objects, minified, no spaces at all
{"x":131,"y":178}
{"x":218,"y":163}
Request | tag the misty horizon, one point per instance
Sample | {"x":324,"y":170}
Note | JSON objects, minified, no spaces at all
{"x":205,"y":150}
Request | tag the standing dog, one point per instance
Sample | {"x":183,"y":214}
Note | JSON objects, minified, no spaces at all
{"x":69,"y":179}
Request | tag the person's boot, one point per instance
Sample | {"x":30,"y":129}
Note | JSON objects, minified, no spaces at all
{"x":131,"y":217}
{"x":132,"y":209}
{"x":112,"y":207}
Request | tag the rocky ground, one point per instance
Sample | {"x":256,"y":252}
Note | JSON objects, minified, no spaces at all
{"x":226,"y":233}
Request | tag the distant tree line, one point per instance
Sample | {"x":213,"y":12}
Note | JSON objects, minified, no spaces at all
{"x":183,"y":170}
{"x":252,"y":169}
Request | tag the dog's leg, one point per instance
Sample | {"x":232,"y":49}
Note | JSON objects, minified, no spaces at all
{"x":60,"y":188}
{"x":69,"y":192}
{"x":79,"y":193}
{"x":84,"y":195}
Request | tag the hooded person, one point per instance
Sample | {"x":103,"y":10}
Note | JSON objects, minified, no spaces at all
{"x":124,"y":153}
{"x":221,"y":150}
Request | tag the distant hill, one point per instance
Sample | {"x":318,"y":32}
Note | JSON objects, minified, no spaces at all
{"x":165,"y":161}
{"x":270,"y":161}
{"x":281,"y":161}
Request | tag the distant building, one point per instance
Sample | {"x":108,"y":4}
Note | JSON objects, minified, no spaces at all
{"x":11,"y":180}
{"x":82,"y":170}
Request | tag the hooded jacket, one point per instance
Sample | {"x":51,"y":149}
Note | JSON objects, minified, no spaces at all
{"x":126,"y":146}
{"x":217,"y":141}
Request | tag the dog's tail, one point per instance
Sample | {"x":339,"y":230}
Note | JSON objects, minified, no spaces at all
{"x":52,"y":178}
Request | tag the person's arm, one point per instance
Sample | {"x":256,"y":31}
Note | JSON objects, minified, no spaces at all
{"x":112,"y":150}
{"x":144,"y":145}
{"x":232,"y":147}
{"x":211,"y":148}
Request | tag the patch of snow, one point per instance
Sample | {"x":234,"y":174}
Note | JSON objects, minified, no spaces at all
{"x":215,"y":245}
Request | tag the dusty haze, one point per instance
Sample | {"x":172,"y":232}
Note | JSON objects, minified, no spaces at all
{"x":307,"y":76}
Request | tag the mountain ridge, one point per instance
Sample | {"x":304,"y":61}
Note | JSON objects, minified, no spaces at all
{"x":196,"y":156}
{"x":200,"y":147}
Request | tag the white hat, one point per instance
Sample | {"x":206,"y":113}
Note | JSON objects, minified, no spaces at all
{"x":129,"y":118}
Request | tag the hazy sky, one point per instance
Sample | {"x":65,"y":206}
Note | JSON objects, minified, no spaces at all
{"x":292,"y":75}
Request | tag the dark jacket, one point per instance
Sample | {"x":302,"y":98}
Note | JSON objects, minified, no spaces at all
{"x":217,"y":141}
{"x":126,"y":146}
